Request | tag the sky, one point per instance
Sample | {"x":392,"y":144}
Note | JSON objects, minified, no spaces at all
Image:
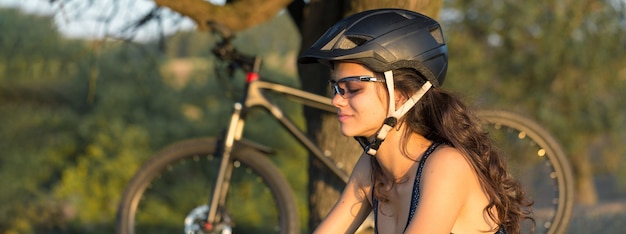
{"x":88,"y":26}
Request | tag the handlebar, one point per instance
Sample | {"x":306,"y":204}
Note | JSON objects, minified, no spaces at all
{"x":225,"y":51}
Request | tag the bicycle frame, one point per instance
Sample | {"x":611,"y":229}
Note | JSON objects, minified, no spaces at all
{"x":254,"y":98}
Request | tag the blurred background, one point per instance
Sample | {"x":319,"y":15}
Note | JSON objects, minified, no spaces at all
{"x":83,"y":103}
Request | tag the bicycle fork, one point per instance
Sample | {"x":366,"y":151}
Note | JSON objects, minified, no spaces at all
{"x":220,"y":188}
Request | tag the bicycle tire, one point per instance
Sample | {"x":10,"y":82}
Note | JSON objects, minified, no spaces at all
{"x":162,"y":171}
{"x":552,"y":214}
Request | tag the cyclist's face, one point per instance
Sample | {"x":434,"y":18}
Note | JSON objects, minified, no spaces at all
{"x":360,"y":99}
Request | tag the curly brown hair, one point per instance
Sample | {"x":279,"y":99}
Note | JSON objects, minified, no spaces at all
{"x":442,"y":117}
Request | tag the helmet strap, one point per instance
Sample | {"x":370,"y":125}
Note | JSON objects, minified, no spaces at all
{"x":392,"y":114}
{"x":390,"y":90}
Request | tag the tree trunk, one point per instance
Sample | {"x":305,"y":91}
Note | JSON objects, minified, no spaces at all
{"x":586,"y":193}
{"x":324,"y":188}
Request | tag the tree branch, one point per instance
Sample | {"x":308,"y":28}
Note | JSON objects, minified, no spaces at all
{"x":237,"y":16}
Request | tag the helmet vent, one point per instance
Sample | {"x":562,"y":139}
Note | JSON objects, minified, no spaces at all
{"x":437,"y":35}
{"x":351,"y":42}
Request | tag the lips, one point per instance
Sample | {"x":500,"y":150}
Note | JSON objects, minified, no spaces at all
{"x":343,"y":117}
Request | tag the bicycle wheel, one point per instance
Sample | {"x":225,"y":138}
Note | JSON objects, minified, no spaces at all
{"x":537,"y":160}
{"x":170,"y":192}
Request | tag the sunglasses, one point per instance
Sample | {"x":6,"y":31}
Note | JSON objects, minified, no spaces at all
{"x":348,"y":87}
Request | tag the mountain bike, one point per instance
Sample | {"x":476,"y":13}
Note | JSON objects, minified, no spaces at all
{"x":228,"y":184}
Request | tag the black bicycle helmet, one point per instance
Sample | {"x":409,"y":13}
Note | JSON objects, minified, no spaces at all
{"x":383,"y":40}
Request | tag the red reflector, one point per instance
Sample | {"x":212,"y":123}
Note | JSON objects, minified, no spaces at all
{"x":252,"y":76}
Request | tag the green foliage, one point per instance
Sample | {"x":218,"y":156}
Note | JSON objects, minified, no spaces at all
{"x":80,"y":117}
{"x":561,"y":62}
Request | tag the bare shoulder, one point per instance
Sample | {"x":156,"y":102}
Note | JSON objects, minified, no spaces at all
{"x":449,"y":160}
{"x":446,"y":186}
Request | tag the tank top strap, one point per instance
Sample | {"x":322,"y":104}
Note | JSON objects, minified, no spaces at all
{"x":414,"y":195}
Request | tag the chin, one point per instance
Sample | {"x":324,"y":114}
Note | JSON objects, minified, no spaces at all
{"x":354,"y":132}
{"x":347,"y":132}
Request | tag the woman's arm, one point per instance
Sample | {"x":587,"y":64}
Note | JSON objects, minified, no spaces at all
{"x":353,"y":206}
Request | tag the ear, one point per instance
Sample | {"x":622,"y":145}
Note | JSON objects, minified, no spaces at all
{"x":400,"y":99}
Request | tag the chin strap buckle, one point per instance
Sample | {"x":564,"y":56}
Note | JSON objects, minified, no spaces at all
{"x":371,"y":148}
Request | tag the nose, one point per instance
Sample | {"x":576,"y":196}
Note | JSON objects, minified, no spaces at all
{"x":338,"y":100}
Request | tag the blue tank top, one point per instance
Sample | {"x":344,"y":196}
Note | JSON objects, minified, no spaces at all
{"x":415,"y":195}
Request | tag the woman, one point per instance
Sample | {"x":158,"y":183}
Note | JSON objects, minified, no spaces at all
{"x":427,"y":165}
